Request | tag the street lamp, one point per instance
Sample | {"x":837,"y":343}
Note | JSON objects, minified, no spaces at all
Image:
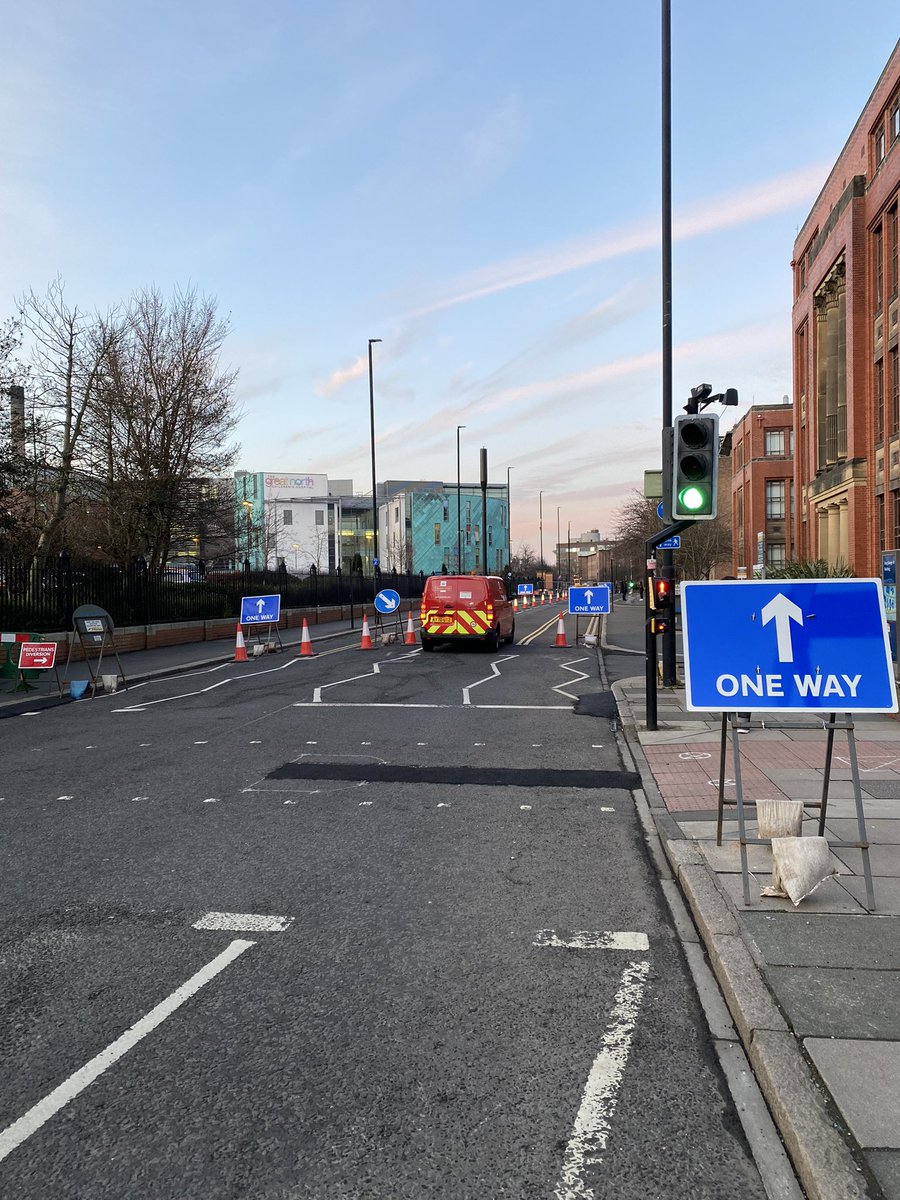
{"x":558,"y":545}
{"x":508,"y":518}
{"x":541,"y":529}
{"x":458,"y":508}
{"x":372,"y":341}
{"x":569,"y":554}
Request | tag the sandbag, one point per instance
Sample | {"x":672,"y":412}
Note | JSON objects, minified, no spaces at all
{"x":799,"y":865}
{"x":779,"y":818}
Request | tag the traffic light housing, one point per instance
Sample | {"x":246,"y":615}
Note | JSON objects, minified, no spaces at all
{"x":695,"y":467}
{"x":662,"y":604}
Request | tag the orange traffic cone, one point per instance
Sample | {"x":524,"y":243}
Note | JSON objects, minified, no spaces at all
{"x":240,"y":650}
{"x":515,"y":603}
{"x":366,"y":642}
{"x":560,"y":632}
{"x":410,"y":639}
{"x":306,"y":650}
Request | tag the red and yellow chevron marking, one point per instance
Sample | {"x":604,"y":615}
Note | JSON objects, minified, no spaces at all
{"x":456,"y":622}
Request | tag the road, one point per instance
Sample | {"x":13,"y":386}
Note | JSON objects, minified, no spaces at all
{"x":467,"y":984}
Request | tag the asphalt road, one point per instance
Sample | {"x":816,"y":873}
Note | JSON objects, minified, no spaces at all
{"x":470,"y":986}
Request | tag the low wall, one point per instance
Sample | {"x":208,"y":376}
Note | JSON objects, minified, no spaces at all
{"x":180,"y":633}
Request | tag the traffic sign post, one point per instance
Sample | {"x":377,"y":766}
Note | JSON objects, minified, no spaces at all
{"x":387,"y":603}
{"x":38,"y":656}
{"x":590,"y":601}
{"x":262,"y":614}
{"x":793,"y":646}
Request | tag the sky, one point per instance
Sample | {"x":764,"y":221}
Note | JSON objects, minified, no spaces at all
{"x":477,"y":184}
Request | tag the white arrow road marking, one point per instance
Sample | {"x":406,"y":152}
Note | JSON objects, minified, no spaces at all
{"x":782,"y":611}
{"x":50,"y":1105}
{"x":244,"y":922}
{"x":601,"y":1093}
{"x":495,"y":673}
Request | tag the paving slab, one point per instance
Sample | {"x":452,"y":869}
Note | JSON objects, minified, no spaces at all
{"x":727,"y":857}
{"x":876,"y":809}
{"x":864,"y":1079}
{"x":880,"y":830}
{"x":883,"y":860}
{"x":887,"y":892}
{"x":838,"y":1003}
{"x":882,"y":789}
{"x":830,"y":897}
{"x":800,"y":940}
{"x":886,"y":1166}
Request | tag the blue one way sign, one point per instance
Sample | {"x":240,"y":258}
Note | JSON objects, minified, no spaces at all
{"x":791,"y":645}
{"x":260,"y":610}
{"x":585,"y":601}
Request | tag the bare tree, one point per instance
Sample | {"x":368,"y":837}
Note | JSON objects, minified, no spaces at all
{"x":161,"y":422}
{"x":524,"y":564}
{"x":70,"y":350}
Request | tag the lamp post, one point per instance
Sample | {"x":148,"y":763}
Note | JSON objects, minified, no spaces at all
{"x":558,"y":543}
{"x":508,"y":519}
{"x":459,"y":554}
{"x":372,"y":341}
{"x":541,"y":532}
{"x":569,"y":553}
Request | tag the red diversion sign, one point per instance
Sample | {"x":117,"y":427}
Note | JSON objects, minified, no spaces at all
{"x":37,"y":655}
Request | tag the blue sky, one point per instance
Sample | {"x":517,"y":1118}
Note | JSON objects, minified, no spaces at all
{"x":477,"y":184}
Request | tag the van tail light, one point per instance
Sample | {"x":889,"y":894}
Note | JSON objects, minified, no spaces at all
{"x":490,"y":612}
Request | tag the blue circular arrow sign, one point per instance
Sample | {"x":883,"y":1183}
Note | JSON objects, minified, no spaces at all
{"x":387,"y":601}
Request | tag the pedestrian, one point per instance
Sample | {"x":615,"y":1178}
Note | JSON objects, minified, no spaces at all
{"x":641,"y":588}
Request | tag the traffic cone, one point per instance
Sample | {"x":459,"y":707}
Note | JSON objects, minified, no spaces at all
{"x":515,"y":603}
{"x":366,"y":642}
{"x":410,"y":639}
{"x":306,"y":650}
{"x":561,"y":632}
{"x":240,"y":650}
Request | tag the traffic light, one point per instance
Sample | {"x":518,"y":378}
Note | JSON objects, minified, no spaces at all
{"x":695,"y":466}
{"x":662,"y":604}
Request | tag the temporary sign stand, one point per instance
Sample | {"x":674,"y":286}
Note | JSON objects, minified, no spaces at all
{"x":816,"y":646}
{"x":38,"y":656}
{"x":591,"y":602}
{"x":740,"y":724}
{"x":94,"y":629}
{"x":262,"y":614}
{"x":387,"y":604}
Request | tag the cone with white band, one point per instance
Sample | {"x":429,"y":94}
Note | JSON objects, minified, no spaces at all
{"x":560,"y":632}
{"x":240,"y":650}
{"x":306,"y":650}
{"x":366,"y":640}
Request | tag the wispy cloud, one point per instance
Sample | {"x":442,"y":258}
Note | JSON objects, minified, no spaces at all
{"x":343,"y":375}
{"x":724,"y":211}
{"x":489,"y":148}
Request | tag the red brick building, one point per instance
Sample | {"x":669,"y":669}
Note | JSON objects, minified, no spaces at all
{"x":845,"y":347}
{"x":762,"y":486}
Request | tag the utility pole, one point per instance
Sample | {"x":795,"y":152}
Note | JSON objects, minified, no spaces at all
{"x":375,"y":563}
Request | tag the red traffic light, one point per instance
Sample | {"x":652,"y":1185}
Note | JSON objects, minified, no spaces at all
{"x":663,"y":592}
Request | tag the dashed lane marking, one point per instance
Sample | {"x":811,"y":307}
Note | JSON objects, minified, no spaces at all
{"x":593,"y":1122}
{"x":582,"y":939}
{"x":37,"y":1116}
{"x":244,"y":922}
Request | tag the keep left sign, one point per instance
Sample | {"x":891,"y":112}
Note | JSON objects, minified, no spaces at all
{"x":37,"y":656}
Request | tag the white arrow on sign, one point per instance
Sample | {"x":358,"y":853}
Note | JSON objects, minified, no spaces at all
{"x":388,"y":602}
{"x":588,"y":595}
{"x":260,"y":605}
{"x":782,"y":611}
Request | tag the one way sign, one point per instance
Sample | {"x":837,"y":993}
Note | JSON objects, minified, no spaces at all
{"x":791,"y":645}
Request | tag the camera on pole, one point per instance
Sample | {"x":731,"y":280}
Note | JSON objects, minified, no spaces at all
{"x":695,"y":466}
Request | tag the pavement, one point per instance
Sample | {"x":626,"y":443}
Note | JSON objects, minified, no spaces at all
{"x":813,"y":991}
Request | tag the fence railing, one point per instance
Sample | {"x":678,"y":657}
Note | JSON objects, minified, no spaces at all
{"x":42,"y":597}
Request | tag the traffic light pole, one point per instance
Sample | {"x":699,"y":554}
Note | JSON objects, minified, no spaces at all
{"x":649,"y":637}
{"x":666,"y":562}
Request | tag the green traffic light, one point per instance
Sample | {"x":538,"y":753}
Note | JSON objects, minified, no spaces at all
{"x":692,"y":499}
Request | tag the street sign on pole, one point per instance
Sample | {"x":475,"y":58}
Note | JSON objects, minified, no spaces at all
{"x":260,"y":610}
{"x":789,"y":645}
{"x":672,"y":543}
{"x":387,"y":601}
{"x":588,"y":601}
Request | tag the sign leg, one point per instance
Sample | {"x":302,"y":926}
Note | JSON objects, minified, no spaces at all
{"x":739,"y":791}
{"x":860,"y":816}
{"x":723,"y":741}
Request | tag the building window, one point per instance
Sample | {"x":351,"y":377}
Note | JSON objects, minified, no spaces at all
{"x":879,"y":401}
{"x":396,"y":514}
{"x":878,"y":267}
{"x":879,"y":145}
{"x":437,"y":533}
{"x":320,"y":516}
{"x":895,"y":122}
{"x":831,"y":367}
{"x":895,"y":510}
{"x":287,"y":516}
{"x":739,"y":455}
{"x":446,"y":508}
{"x":881,"y":543}
{"x":775,"y":554}
{"x":895,"y":390}
{"x":774,"y":499}
{"x":894,"y":270}
{"x":774,"y":442}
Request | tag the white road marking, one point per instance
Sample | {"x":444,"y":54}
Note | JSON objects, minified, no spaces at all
{"x":244,"y":922}
{"x":29,"y":714}
{"x":65,"y":797}
{"x":376,"y":670}
{"x":443,"y":805}
{"x":312,"y":743}
{"x":365,"y":804}
{"x":256,"y":742}
{"x":146,"y":743}
{"x":211,"y":800}
{"x":495,"y":674}
{"x":690,"y":756}
{"x":525,"y":807}
{"x":536,"y":745}
{"x":135,"y":798}
{"x":586,"y":939}
{"x":606,"y":809}
{"x":40,"y":1113}
{"x":364,"y":704}
{"x":598,"y":1104}
{"x":478,"y":743}
{"x":570,"y":666}
{"x":201,"y":743}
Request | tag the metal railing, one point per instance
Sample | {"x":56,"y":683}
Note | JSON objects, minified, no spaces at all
{"x":43,"y":596}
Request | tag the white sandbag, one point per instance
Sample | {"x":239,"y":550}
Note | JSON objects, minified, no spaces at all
{"x":799,"y":865}
{"x":779,"y":818}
